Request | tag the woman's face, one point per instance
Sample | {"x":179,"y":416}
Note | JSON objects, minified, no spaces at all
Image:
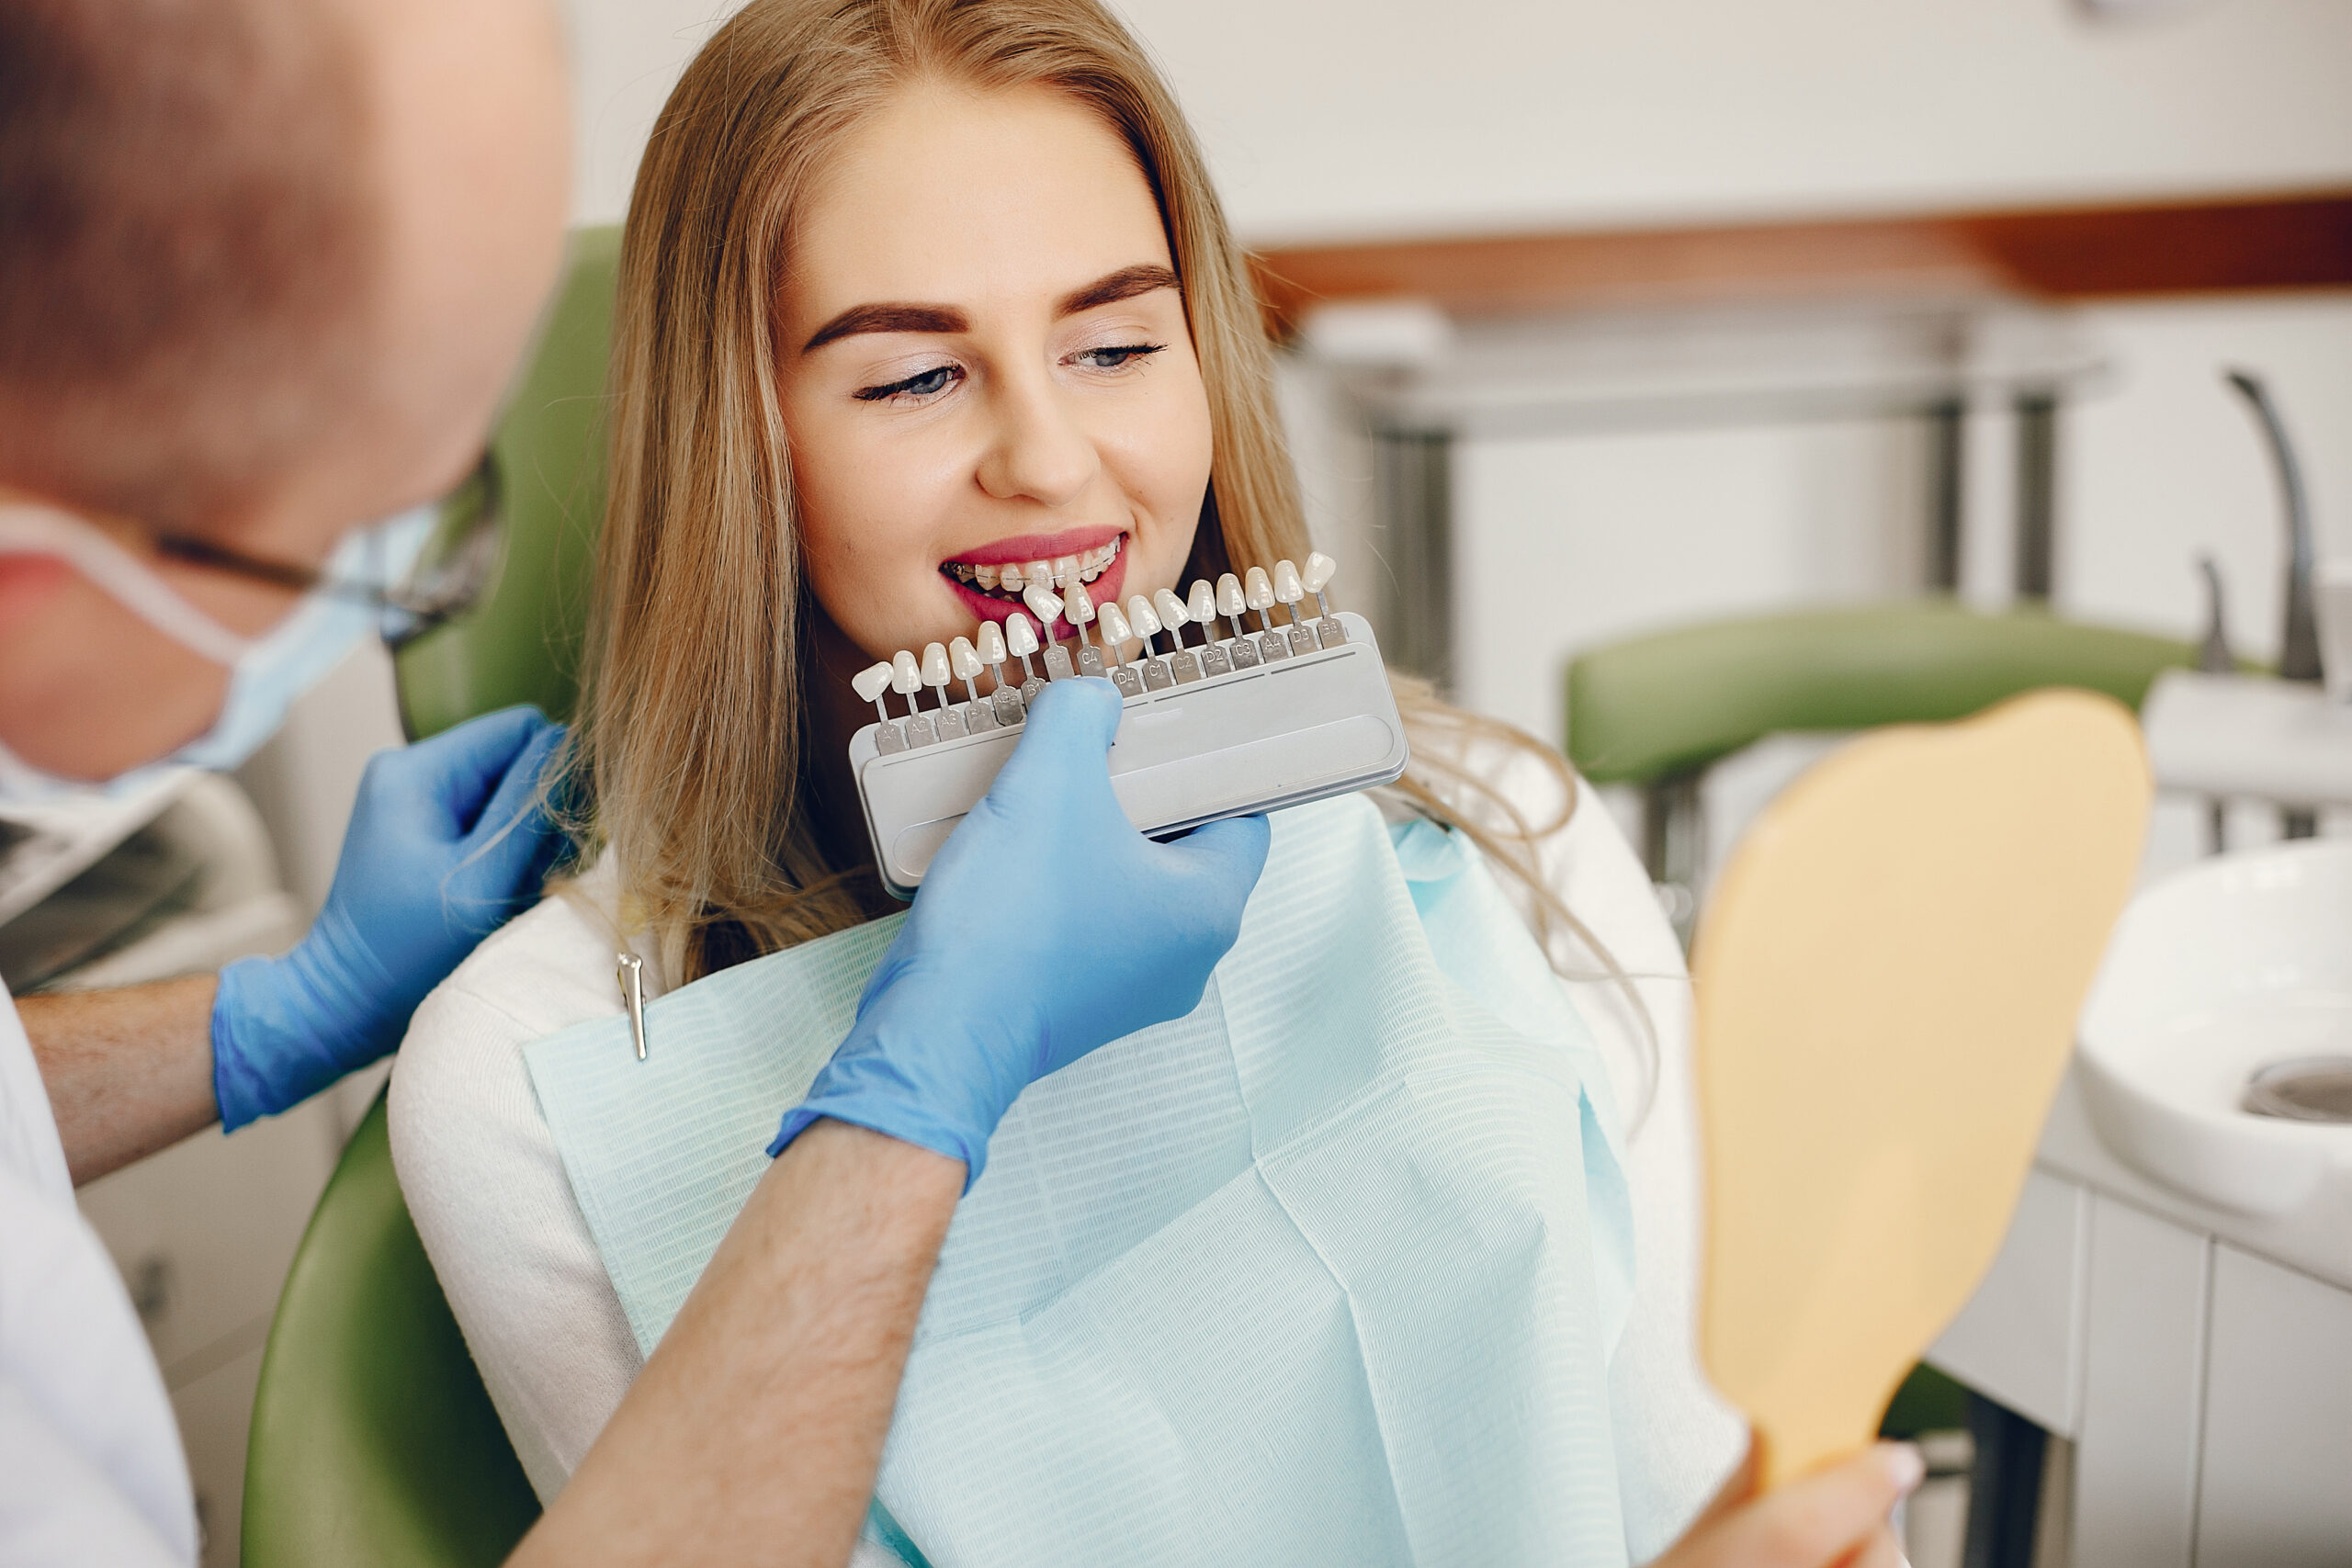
{"x":984,"y":362}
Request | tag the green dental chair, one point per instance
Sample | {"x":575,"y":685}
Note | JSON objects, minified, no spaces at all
{"x":374,"y":1444}
{"x":1658,"y":711}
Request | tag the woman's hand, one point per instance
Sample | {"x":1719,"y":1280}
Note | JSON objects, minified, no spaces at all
{"x":1836,"y":1518}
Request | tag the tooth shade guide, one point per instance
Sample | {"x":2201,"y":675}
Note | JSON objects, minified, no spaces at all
{"x":1115,"y":631}
{"x":1172,"y":616}
{"x":1043,"y":604}
{"x":1200,"y":602}
{"x":1287,"y":588}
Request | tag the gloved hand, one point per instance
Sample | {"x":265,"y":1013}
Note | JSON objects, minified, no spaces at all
{"x":444,"y":844}
{"x":1046,"y":927}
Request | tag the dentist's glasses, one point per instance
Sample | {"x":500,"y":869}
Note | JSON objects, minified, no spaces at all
{"x":453,"y":574}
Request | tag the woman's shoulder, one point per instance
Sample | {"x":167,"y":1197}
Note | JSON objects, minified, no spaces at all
{"x":545,"y":970}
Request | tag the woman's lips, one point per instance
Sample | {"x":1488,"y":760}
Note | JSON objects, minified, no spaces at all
{"x":1025,"y":548}
{"x":991,"y":607}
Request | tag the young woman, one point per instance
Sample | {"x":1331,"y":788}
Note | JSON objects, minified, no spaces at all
{"x":913,"y":291}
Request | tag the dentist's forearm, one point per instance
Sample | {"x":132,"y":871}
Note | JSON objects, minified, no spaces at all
{"x":755,"y":1429}
{"x":129,"y":1071}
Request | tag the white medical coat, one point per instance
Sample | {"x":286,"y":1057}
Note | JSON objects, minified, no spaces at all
{"x":90,"y":1469}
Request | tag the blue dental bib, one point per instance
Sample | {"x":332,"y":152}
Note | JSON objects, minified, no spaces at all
{"x":1328,"y":1271}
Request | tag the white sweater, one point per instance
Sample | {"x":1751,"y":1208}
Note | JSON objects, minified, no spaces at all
{"x":483,"y":1179}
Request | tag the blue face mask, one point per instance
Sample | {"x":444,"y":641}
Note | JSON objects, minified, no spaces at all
{"x":266,"y":672}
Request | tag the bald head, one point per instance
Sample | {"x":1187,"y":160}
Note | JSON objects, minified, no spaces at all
{"x":267,"y":260}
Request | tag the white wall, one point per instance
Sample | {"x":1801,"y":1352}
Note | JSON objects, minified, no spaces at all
{"x":1354,"y":117}
{"x":1567,"y":543}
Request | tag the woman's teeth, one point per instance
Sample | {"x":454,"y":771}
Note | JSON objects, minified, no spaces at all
{"x":1007,"y":580}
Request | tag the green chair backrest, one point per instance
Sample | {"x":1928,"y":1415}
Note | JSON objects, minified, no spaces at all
{"x":521,"y":644}
{"x":1673,"y":702}
{"x":374,"y":1444}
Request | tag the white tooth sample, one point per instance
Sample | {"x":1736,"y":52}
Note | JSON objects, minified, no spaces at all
{"x":1172,"y":614}
{"x":936,"y":671}
{"x":1260,"y":593}
{"x":964,"y":660}
{"x":1081,"y":605}
{"x":1043,"y":604}
{"x":1319,"y":569}
{"x":1287,"y":590}
{"x":1144,"y":619}
{"x":991,"y":640}
{"x":1116,"y":629}
{"x":1020,"y":636}
{"x":871,"y":682}
{"x":1202,"y":607}
{"x":906,"y":675}
{"x":1065,"y":570}
{"x":1229,"y":601}
{"x":985,"y":576}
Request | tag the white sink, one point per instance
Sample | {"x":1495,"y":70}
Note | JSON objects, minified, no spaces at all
{"x":2240,"y":962}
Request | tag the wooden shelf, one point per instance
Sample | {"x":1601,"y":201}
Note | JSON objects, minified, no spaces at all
{"x":2057,"y":253}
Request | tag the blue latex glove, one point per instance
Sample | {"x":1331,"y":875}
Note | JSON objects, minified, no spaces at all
{"x":1046,"y":927}
{"x":439,"y":854}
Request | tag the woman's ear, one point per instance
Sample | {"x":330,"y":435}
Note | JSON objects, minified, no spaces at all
{"x":1209,"y":557}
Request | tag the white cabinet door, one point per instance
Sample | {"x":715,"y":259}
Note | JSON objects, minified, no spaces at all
{"x":2019,"y":1338}
{"x":2276,"y":1491}
{"x":2136,"y":1464}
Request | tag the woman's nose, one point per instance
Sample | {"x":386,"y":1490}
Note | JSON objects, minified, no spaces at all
{"x":1039,"y":452}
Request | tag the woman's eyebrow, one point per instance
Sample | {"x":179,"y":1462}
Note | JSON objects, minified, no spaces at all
{"x":1124,"y":284}
{"x":889,"y":319}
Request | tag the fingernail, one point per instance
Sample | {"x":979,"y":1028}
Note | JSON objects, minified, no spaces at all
{"x":1906,"y":1467}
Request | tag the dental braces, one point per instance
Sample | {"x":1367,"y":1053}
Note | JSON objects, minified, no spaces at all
{"x":1241,"y":722}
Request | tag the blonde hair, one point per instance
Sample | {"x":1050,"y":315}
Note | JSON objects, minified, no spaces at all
{"x":697,"y":622}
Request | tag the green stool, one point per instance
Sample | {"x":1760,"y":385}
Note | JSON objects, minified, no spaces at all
{"x":1658,"y":711}
{"x":374,"y":1444}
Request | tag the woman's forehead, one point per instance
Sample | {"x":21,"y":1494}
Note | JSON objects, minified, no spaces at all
{"x":977,"y":200}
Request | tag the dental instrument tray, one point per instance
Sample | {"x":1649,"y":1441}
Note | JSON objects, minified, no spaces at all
{"x":1244,"y":721}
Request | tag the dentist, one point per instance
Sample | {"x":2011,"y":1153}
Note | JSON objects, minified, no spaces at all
{"x":265,"y":267}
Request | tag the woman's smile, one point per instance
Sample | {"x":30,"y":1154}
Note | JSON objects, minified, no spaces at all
{"x":992,"y":579}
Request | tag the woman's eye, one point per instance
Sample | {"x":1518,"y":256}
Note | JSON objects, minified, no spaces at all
{"x":1116,"y":356}
{"x":924,"y":384}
